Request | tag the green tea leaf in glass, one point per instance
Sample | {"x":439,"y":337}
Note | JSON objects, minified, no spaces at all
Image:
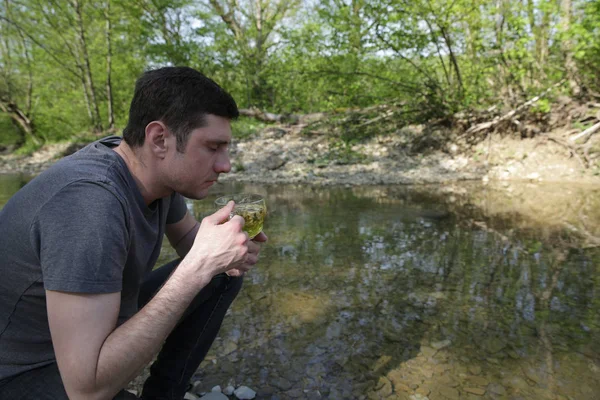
{"x":251,"y":207}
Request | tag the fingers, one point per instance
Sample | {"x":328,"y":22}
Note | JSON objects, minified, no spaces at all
{"x":251,"y":259}
{"x":253,"y":247}
{"x":221,"y":215}
{"x":237,"y":220}
{"x":235,"y":273}
{"x":261,"y":238}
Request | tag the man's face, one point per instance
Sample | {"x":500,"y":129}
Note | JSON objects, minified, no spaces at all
{"x":206,"y":155}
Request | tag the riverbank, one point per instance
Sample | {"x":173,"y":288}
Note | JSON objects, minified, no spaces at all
{"x":411,"y":156}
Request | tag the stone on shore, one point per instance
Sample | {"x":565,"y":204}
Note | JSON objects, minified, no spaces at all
{"x":213,"y":396}
{"x":244,"y":393}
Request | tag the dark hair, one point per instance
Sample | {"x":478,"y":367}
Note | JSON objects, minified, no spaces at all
{"x":180,"y":97}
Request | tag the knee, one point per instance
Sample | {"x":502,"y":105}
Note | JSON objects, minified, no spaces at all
{"x":233,"y":286}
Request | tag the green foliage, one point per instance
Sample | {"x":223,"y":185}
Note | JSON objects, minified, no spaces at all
{"x":27,"y":148}
{"x":9,"y":135}
{"x":543,"y":106}
{"x":245,"y":127}
{"x":430,"y":57}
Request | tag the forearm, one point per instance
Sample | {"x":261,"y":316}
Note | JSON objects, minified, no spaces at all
{"x":130,"y":347}
{"x":183,"y":246}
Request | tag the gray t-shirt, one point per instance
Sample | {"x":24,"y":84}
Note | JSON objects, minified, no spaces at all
{"x":81,"y":226}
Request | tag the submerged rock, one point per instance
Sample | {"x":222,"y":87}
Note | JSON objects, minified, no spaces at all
{"x":441,"y":344}
{"x":384,"y":387}
{"x":476,"y":391}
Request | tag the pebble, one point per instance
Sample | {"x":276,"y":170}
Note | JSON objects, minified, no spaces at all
{"x":516,"y":382}
{"x":422,"y":391}
{"x":244,"y":393}
{"x":196,"y":386}
{"x":282,"y":384}
{"x":210,"y":396}
{"x":295,"y":393}
{"x":475,"y":369}
{"x":449,"y":392}
{"x":381,"y":363}
{"x":228,"y":391}
{"x":496,"y":388}
{"x":216,"y":389}
{"x":478,"y":380}
{"x":384,"y":387}
{"x":477,"y":391}
{"x":428,"y":351}
{"x":441,"y":344}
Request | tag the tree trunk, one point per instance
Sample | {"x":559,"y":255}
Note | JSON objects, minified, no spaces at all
{"x":20,"y":120}
{"x":434,"y":39}
{"x":567,"y":47}
{"x":84,"y":86}
{"x":111,"y":115}
{"x":453,"y":58}
{"x":6,"y":53}
{"x":544,"y":36}
{"x":89,"y":81}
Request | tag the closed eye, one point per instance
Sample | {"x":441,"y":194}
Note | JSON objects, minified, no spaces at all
{"x":214,"y":146}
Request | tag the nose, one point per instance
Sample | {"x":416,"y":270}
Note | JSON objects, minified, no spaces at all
{"x":222,"y":164}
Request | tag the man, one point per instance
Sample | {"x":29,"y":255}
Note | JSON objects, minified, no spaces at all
{"x":81,"y":311}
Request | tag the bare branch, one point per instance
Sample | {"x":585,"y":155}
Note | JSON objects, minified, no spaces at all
{"x":44,"y":48}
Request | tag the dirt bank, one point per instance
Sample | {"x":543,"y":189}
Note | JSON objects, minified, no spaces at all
{"x":278,"y":155}
{"x":539,"y":150}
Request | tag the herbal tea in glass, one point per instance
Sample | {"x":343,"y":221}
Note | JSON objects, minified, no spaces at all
{"x":251,"y":207}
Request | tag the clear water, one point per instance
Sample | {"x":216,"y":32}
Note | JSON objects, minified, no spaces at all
{"x":442,"y":292}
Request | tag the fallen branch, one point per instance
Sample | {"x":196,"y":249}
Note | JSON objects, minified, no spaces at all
{"x":588,"y":131}
{"x":571,"y":148}
{"x":260,"y":115}
{"x":510,"y":114}
{"x":371,"y":121}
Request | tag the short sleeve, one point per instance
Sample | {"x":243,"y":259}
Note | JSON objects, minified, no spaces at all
{"x":177,"y":208}
{"x":81,"y":236}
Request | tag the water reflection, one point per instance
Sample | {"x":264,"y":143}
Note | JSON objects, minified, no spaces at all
{"x":440,"y":292}
{"x":391,"y":292}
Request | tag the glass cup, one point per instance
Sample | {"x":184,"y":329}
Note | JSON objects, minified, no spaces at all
{"x":251,"y":207}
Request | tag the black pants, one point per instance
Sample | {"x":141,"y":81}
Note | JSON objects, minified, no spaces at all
{"x":179,"y":358}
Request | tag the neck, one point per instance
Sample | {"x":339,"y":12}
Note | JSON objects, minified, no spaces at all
{"x":144,"y":178}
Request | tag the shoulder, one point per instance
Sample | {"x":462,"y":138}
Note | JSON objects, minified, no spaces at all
{"x":85,"y":202}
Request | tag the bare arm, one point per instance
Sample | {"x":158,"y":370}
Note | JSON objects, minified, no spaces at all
{"x":95,"y":359}
{"x":181,"y":234}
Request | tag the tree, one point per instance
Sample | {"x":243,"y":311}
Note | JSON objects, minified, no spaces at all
{"x":567,"y":46}
{"x":252,"y":27}
{"x":16,"y":55}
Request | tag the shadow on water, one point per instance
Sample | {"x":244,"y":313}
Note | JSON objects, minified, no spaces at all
{"x":444,"y":292}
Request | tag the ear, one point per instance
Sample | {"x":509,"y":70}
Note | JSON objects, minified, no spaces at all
{"x":157,"y":134}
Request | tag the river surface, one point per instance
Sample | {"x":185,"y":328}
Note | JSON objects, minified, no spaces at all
{"x":459,"y":291}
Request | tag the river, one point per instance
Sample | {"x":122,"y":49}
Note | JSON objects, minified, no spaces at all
{"x":458,"y":291}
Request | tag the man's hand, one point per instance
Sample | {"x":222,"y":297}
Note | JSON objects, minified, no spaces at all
{"x":254,"y":247}
{"x":220,"y":245}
